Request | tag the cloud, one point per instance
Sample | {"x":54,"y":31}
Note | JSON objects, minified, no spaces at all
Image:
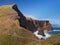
{"x":52,"y":21}
{"x":55,"y":21}
{"x":31,"y":16}
{"x":40,"y":36}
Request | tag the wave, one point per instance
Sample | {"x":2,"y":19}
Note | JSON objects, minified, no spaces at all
{"x":47,"y":35}
{"x":56,"y":30}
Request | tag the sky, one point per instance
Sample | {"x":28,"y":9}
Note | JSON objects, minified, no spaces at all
{"x":38,"y":9}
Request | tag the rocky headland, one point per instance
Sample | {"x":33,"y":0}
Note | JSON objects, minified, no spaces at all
{"x":16,"y":29}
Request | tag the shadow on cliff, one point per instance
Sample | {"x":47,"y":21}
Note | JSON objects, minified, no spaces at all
{"x":22,"y":19}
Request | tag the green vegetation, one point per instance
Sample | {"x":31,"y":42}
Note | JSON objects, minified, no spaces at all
{"x":9,"y":40}
{"x":17,"y":36}
{"x":57,"y":43}
{"x":2,"y":15}
{"x":54,"y":40}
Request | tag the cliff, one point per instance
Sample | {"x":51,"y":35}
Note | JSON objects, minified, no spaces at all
{"x":15,"y":26}
{"x":12,"y":32}
{"x":39,"y":25}
{"x":12,"y":12}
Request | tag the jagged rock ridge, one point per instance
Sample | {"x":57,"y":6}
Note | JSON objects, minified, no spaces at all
{"x":33,"y":24}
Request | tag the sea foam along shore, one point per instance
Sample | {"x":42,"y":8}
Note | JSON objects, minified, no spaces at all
{"x":47,"y":35}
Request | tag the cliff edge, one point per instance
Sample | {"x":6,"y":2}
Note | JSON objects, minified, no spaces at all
{"x":16,"y":29}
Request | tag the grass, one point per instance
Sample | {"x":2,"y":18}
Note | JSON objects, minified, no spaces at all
{"x":57,"y":43}
{"x":9,"y":40}
{"x":2,"y":15}
{"x":53,"y":40}
{"x":22,"y":35}
{"x":18,"y":39}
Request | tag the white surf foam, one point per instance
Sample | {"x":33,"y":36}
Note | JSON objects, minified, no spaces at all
{"x":40,"y":36}
{"x":56,"y":30}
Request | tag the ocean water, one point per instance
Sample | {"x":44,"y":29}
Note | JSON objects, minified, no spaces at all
{"x":54,"y":32}
{"x":47,"y":33}
{"x":51,"y":33}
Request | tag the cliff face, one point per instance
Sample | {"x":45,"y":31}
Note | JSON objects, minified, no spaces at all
{"x":13,"y":15}
{"x":34,"y":25}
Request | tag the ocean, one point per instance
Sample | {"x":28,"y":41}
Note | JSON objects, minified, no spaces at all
{"x":53,"y":32}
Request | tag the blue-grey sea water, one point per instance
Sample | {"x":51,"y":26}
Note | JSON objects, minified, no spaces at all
{"x":53,"y":32}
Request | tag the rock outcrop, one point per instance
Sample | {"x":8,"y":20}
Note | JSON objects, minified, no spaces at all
{"x":12,"y":13}
{"x":34,"y":25}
